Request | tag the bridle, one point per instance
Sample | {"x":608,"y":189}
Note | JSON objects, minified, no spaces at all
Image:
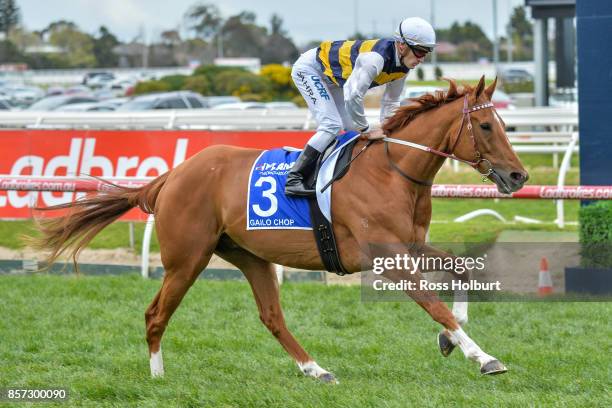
{"x":466,"y":118}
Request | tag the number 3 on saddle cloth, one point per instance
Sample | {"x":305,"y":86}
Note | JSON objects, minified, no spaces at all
{"x":269,"y":208}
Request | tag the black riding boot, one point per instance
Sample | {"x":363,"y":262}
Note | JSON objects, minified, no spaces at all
{"x":298,"y":180}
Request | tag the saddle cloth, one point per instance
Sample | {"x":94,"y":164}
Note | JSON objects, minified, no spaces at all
{"x":267,"y":205}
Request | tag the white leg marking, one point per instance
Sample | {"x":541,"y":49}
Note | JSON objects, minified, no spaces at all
{"x":156,"y":363}
{"x":469,"y":347}
{"x":312,"y":369}
{"x":460,"y":307}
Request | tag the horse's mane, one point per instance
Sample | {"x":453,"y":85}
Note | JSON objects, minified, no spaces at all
{"x":405,"y":114}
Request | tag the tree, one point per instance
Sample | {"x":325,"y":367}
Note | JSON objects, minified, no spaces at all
{"x":276,"y":25}
{"x":23,"y":38}
{"x":9,"y":16}
{"x":205,"y":20}
{"x":522,"y":34}
{"x":241,"y":37}
{"x":9,"y":53}
{"x":520,"y":25}
{"x":471,"y":41}
{"x":278,"y":48}
{"x":170,"y":38}
{"x":78,"y":46}
{"x":103,"y":46}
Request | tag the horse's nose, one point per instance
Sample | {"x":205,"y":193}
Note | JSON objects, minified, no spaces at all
{"x":519,"y":178}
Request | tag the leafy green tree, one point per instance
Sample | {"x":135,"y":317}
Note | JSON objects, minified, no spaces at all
{"x":78,"y":47}
{"x":522,"y":34}
{"x":205,"y":20}
{"x":276,"y":25}
{"x":9,"y":16}
{"x":23,"y":38}
{"x":471,"y":42}
{"x":278,"y":47}
{"x":242,"y":37}
{"x":9,"y":53}
{"x":103,"y":46}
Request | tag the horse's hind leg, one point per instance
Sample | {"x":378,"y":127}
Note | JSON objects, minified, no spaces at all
{"x":185,"y":253}
{"x":264,"y":283}
{"x":174,"y":287}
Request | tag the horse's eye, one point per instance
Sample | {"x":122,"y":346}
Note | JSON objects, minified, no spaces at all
{"x":485,"y":126}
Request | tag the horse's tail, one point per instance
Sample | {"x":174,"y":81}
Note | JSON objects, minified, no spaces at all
{"x":90,"y":215}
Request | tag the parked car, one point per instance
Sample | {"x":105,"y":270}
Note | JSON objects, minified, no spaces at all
{"x":281,"y":105}
{"x":240,"y":106}
{"x":501,"y":100}
{"x":5,"y":104}
{"x":53,"y":102}
{"x":120,"y":87}
{"x":165,"y":100}
{"x":55,"y":90}
{"x":83,"y":107}
{"x":22,"y":95}
{"x":212,"y":101}
{"x":78,"y":90}
{"x":101,"y":75}
{"x":564,"y":98}
{"x":514,"y":75}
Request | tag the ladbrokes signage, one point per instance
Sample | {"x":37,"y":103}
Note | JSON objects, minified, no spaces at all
{"x":109,"y":154}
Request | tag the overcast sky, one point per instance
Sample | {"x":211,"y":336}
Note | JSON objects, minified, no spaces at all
{"x":304,"y":20}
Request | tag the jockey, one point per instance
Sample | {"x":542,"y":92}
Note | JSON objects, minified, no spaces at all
{"x":334,"y":78}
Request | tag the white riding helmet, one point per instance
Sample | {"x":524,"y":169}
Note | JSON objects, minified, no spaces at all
{"x":416,"y":32}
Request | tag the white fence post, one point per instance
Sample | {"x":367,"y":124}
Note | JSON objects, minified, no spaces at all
{"x":565,"y":164}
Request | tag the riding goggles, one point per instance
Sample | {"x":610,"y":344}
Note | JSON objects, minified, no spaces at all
{"x":419,"y":51}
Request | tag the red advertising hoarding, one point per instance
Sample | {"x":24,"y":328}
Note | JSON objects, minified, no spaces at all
{"x":109,"y":154}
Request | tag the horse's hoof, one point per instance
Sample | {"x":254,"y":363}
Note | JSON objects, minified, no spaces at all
{"x":493,"y":367}
{"x":328,"y":378}
{"x":446,"y":346}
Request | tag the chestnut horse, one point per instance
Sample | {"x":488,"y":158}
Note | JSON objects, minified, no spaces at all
{"x":200,"y":210}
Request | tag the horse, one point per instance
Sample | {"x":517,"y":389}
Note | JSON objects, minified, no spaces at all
{"x":200,"y":210}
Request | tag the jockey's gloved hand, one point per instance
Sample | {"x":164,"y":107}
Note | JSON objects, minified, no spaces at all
{"x":372,"y":133}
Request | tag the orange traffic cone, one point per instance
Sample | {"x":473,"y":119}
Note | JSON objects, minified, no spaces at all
{"x":545,"y":286}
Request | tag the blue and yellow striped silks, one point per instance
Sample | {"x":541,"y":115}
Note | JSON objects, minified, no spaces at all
{"x":337,"y":59}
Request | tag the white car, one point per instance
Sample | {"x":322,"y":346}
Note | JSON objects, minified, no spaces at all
{"x":281,"y":105}
{"x":240,"y":106}
{"x":23,"y":95}
{"x":564,"y":98}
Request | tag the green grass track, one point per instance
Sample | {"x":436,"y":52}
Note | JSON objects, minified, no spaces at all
{"x":87,"y":334}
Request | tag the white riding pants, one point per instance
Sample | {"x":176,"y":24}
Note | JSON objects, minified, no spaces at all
{"x":325,"y":101}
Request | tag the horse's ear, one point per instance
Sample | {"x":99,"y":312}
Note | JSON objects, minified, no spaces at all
{"x":490,"y":89}
{"x":479,"y":87}
{"x":452,"y":88}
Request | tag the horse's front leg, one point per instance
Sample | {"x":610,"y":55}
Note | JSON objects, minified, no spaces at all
{"x":460,"y":296}
{"x":421,"y":221}
{"x":439,"y":312}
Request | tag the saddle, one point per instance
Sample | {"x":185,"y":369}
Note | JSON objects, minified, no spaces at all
{"x":321,"y":227}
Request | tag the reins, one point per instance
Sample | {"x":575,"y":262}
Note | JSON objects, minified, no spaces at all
{"x":465,"y":118}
